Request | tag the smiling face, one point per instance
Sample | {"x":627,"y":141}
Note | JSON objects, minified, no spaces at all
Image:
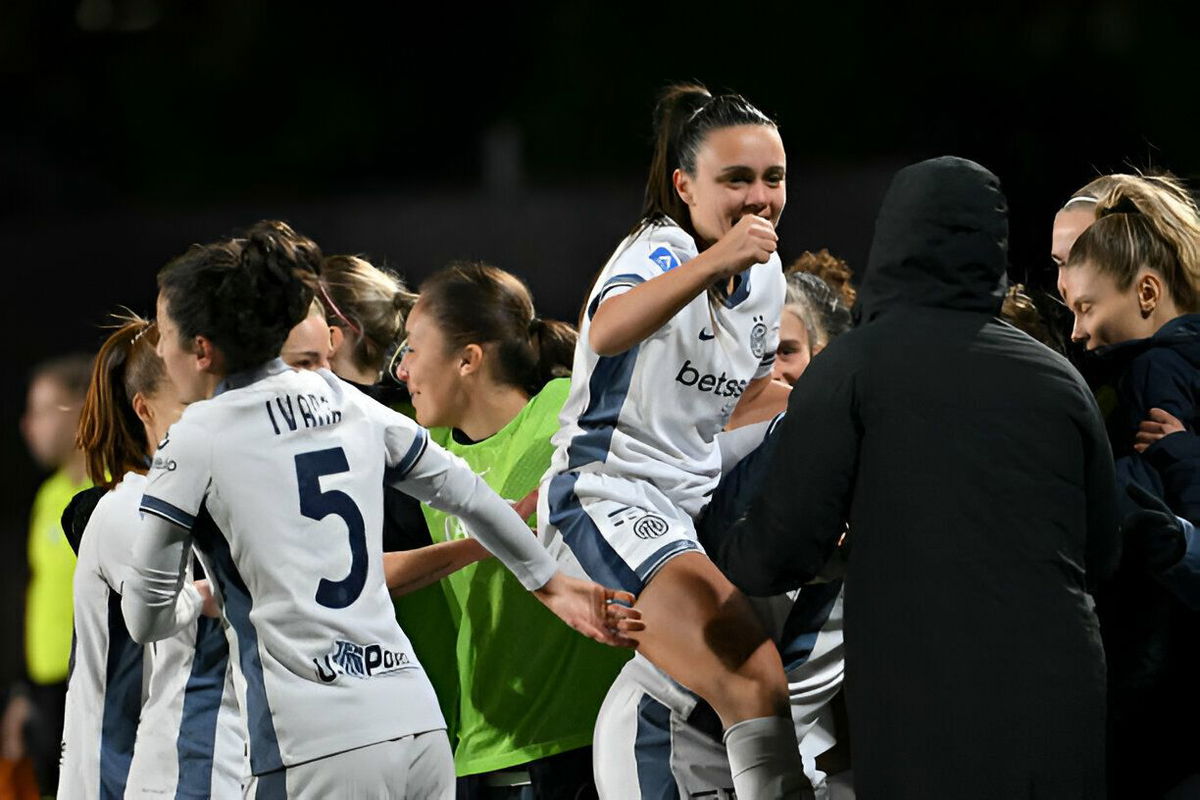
{"x":433,"y":373}
{"x":740,"y":170}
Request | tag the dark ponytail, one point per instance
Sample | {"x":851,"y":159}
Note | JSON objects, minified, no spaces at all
{"x":245,"y":294}
{"x":475,"y":303}
{"x":110,"y":434}
{"x":683,"y":117}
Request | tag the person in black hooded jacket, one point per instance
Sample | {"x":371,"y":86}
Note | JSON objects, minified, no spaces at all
{"x":971,"y":466}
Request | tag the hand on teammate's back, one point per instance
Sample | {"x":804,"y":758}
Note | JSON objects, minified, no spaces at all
{"x":595,"y":611}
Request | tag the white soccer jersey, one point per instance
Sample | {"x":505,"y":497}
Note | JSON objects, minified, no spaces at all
{"x":105,"y":690}
{"x":650,"y":414}
{"x":279,"y":478}
{"x":191,"y":739}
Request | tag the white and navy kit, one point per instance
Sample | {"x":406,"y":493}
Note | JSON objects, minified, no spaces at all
{"x":655,"y":740}
{"x":105,"y":689}
{"x":191,"y":740}
{"x":279,"y":478}
{"x":635,"y":458}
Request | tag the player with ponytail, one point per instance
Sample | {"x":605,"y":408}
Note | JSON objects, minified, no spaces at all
{"x":487,"y":375}
{"x":1132,"y":281}
{"x":114,"y":744}
{"x":679,"y":330}
{"x":277,"y":476}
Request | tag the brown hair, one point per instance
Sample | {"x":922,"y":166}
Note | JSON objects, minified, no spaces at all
{"x":476,"y":303}
{"x":244,"y":294}
{"x":110,"y":434}
{"x":368,"y":302}
{"x":829,"y":268}
{"x":1022,"y":313}
{"x":1145,"y":221}
{"x":683,"y":117}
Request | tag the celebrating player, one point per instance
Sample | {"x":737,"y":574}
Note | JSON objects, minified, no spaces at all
{"x":680,"y":327}
{"x":278,"y":479}
{"x":187,"y":734}
{"x":482,"y":367}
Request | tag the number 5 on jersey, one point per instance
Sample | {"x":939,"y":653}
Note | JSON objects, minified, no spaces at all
{"x":316,"y":504}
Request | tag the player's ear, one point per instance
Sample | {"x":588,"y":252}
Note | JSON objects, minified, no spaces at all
{"x":208,"y":358}
{"x":336,"y":337}
{"x":683,"y":185}
{"x":143,"y":410}
{"x":470,"y":360}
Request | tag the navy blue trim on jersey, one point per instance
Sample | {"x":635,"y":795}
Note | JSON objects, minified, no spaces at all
{"x":122,"y":703}
{"x":597,"y":557}
{"x":272,"y":786}
{"x":809,"y":614}
{"x":741,"y":291}
{"x":652,"y":751}
{"x":660,"y":556}
{"x":164,"y":510}
{"x":608,"y":387}
{"x":201,"y":707}
{"x":415,"y":451}
{"x":240,"y":380}
{"x":628,"y":279}
{"x":260,"y":724}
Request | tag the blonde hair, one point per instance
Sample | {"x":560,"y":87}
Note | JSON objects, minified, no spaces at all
{"x":372,"y":303}
{"x":1145,"y":222}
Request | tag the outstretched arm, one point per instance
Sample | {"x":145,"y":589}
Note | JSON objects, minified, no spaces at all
{"x":436,"y":477}
{"x":409,"y":570}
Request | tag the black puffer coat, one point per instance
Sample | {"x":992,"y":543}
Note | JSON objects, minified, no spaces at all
{"x":972,"y":467}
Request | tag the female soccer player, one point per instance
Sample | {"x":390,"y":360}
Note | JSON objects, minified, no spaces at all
{"x":1132,"y":281}
{"x":188,"y":740}
{"x":277,"y":476}
{"x":485,"y":373}
{"x":680,"y":327}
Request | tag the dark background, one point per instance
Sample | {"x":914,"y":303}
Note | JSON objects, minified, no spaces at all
{"x":519,"y":134}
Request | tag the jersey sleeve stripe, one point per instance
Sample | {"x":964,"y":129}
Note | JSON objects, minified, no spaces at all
{"x":415,"y":451}
{"x":767,"y":360}
{"x":164,"y":510}
{"x":623,"y":281}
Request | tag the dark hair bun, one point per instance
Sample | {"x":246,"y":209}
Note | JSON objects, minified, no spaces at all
{"x":244,"y":294}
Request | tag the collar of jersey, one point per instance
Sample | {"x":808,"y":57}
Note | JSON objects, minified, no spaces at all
{"x":741,"y":291}
{"x":240,"y":380}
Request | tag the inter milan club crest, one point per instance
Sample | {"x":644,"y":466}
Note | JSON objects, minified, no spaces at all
{"x":758,"y":337}
{"x":650,"y":526}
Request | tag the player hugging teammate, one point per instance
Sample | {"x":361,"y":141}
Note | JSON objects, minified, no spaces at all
{"x":262,"y":502}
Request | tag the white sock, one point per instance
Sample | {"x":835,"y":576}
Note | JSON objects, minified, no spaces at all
{"x":765,"y":760}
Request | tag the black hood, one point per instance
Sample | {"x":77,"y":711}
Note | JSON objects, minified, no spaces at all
{"x":941,"y":240}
